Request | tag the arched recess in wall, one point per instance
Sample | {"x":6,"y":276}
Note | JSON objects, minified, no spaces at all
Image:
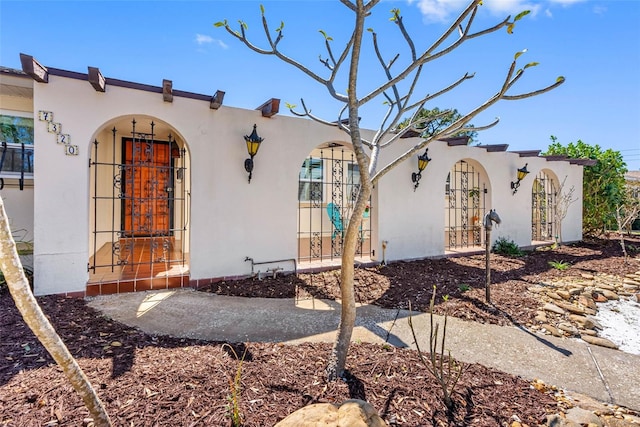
{"x":467,"y":198}
{"x":139,"y":199}
{"x":328,"y":186}
{"x":544,"y":198}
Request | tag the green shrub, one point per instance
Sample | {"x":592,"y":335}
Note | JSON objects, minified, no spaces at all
{"x":503,"y":246}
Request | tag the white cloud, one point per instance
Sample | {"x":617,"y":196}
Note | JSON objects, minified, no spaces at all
{"x":566,"y":2}
{"x":548,"y":13}
{"x":511,"y":7}
{"x":202,"y":40}
{"x":444,"y":10}
{"x":439,"y":10}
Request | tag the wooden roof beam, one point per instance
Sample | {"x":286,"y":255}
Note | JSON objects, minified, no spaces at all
{"x":167,"y":90}
{"x":216,"y":100}
{"x":34,"y":69}
{"x":456,"y":140}
{"x":492,"y":148}
{"x":527,"y":153}
{"x":96,"y":79}
{"x":270,"y":108}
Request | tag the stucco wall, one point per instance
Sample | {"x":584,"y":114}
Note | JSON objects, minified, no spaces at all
{"x":413,"y":223}
{"x":232,"y":219}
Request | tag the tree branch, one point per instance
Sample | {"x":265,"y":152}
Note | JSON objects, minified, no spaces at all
{"x":274,"y":51}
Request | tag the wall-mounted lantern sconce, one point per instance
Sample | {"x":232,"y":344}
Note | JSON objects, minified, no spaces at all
{"x":522,"y":172}
{"x":423,"y":161}
{"x":253,"y":144}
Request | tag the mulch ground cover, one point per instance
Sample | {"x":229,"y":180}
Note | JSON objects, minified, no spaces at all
{"x":462,"y":279}
{"x":149,"y":380}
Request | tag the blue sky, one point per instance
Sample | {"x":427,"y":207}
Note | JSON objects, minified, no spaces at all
{"x":594,"y":44}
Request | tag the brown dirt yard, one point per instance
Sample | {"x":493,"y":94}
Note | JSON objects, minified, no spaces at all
{"x":155,"y":381}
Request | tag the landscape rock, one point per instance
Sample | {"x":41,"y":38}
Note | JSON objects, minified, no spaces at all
{"x":606,"y":286}
{"x":557,"y":421}
{"x":569,"y":328}
{"x":354,"y":412}
{"x":617,"y":422}
{"x":541,"y":317}
{"x":596,"y":325}
{"x":571,"y":308}
{"x":630,"y":282}
{"x":602,"y":342}
{"x":587,"y":301}
{"x":552,"y":330}
{"x":599,"y":297}
{"x":564,"y":294}
{"x":582,"y":321}
{"x":583,"y":417}
{"x":610,"y":295}
{"x":553,"y":308}
{"x":554,"y":295}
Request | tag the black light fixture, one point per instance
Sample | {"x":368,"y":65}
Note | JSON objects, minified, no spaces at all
{"x":423,"y":161}
{"x":253,"y":144}
{"x":522,"y":172}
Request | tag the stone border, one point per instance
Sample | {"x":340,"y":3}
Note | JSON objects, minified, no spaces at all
{"x":569,"y":305}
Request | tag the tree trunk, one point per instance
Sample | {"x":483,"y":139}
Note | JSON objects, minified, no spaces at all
{"x":40,"y":325}
{"x":338,"y":358}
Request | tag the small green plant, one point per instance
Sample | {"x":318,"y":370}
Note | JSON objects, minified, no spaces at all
{"x":503,"y":246}
{"x":444,"y":368}
{"x":559,"y":265}
{"x":235,"y":387}
{"x":464,"y":287}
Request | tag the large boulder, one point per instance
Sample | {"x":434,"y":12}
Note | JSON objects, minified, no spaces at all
{"x":351,"y":413}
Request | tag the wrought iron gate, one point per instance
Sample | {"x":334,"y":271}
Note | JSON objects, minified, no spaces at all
{"x":543,"y":200}
{"x":328,"y":187}
{"x":465,"y":196}
{"x":138,"y":204}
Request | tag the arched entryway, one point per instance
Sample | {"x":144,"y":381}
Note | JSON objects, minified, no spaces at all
{"x":543,"y":203}
{"x":466,"y":200}
{"x":139,"y":207}
{"x":328,"y":186}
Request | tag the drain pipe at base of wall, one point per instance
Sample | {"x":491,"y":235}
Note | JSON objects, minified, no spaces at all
{"x":274,"y":270}
{"x":384,"y":248}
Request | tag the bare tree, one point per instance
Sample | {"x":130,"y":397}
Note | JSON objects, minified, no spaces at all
{"x":564,"y":199}
{"x":626,"y":213}
{"x":400,"y":102}
{"x":40,"y":325}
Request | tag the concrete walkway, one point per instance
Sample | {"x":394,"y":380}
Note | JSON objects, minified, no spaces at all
{"x":604,"y":374}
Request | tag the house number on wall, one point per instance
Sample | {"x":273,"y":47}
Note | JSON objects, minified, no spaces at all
{"x":61,"y":138}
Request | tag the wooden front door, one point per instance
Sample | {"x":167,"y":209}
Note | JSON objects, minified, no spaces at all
{"x":147,"y":190}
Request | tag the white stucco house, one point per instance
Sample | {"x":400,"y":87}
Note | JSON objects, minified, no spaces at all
{"x":125,"y":187}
